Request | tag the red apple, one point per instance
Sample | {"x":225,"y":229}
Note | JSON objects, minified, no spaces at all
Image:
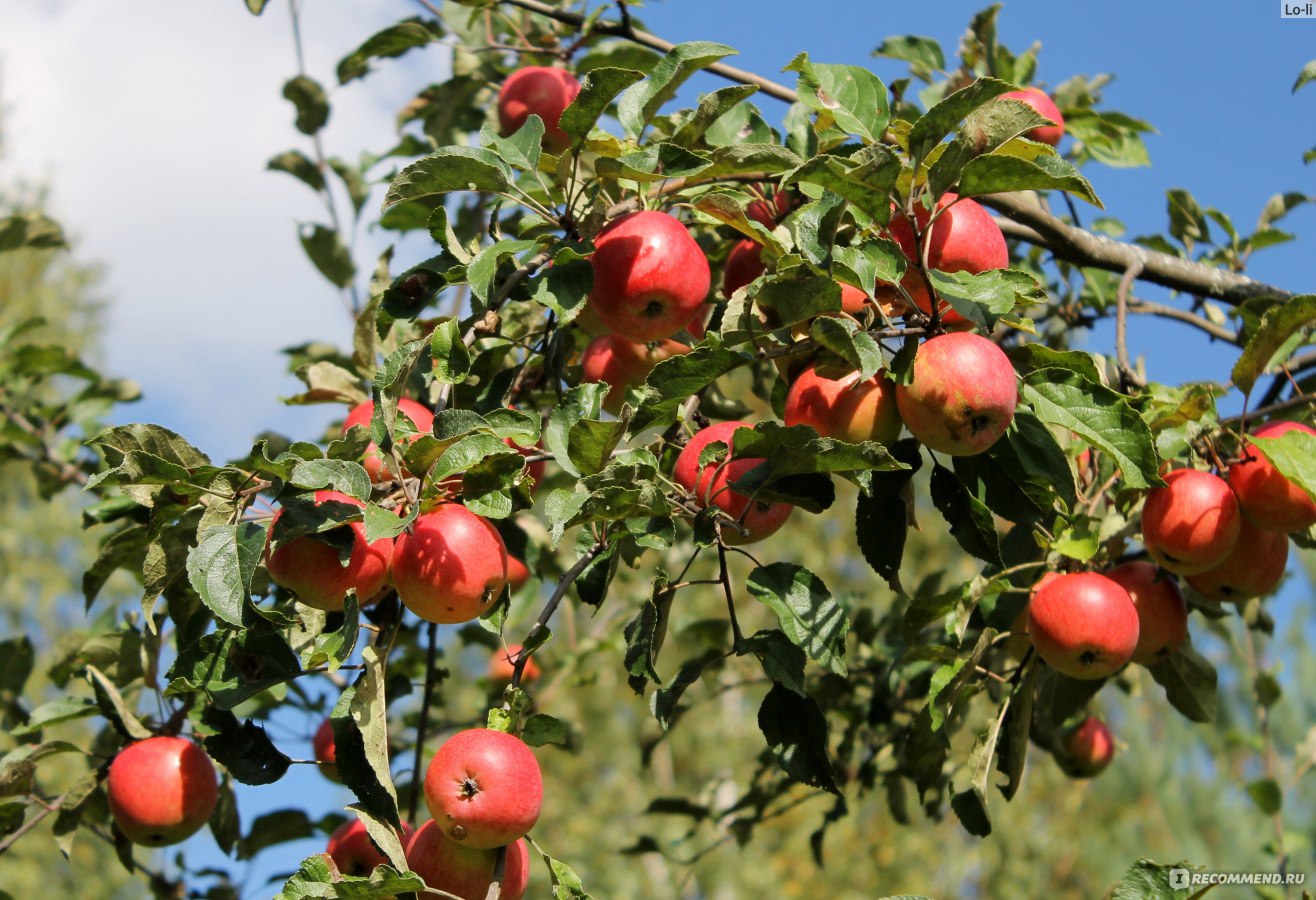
{"x":1162,"y":613}
{"x":844,"y":408}
{"x":650,"y":277}
{"x":542,"y":91}
{"x":1190,"y":524}
{"x":518,"y":575}
{"x":1088,"y":748}
{"x":311,"y":569}
{"x":1265,"y":496}
{"x":1041,"y":101}
{"x":1254,"y":568}
{"x":326,"y":752}
{"x":743,"y":265}
{"x":1083,"y":625}
{"x":965,"y":238}
{"x":768,"y":212}
{"x":161,"y":790}
{"x":962,"y":397}
{"x":483,"y":788}
{"x":623,"y":364}
{"x":354,"y":853}
{"x":377,"y":467}
{"x":451,"y":567}
{"x":503,"y":664}
{"x":464,"y":871}
{"x":710,"y":485}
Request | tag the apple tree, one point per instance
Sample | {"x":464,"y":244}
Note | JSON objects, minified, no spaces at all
{"x":775,"y":408}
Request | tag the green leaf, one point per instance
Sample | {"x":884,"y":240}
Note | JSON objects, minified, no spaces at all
{"x":971,"y":522}
{"x":383,"y":834}
{"x":1100,"y":416}
{"x":389,"y":43}
{"x":221,"y":565}
{"x":678,"y":378}
{"x":541,"y":729}
{"x":33,"y":230}
{"x":483,"y":268}
{"x":598,"y":89}
{"x":796,"y":732}
{"x":663,"y":702}
{"x":590,"y":443}
{"x":256,"y":7}
{"x":522,"y":149}
{"x":808,"y":613}
{"x":946,"y":115}
{"x":340,"y":475}
{"x":848,"y":340}
{"x":999,"y":173}
{"x":782,"y":660}
{"x":641,"y":101}
{"x":970,"y":805}
{"x":1147,"y":880}
{"x":885,"y":511}
{"x":984,"y":296}
{"x":865,"y":178}
{"x":312,"y":105}
{"x":316,"y":878}
{"x":799,"y":296}
{"x":153,"y":439}
{"x":114,"y":708}
{"x":446,"y":170}
{"x":1307,"y":74}
{"x":711,"y":108}
{"x":1277,"y":326}
{"x":1294,"y":455}
{"x":452,"y":360}
{"x":329,"y":254}
{"x":565,"y":287}
{"x":922,"y":53}
{"x":63,"y":710}
{"x":361,"y":740}
{"x":244,"y":749}
{"x":233,"y":665}
{"x":1013,"y":740}
{"x":1189,"y":680}
{"x":298,"y":165}
{"x":853,"y":96}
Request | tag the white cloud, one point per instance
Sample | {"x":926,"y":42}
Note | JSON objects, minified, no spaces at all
{"x":153,"y":123}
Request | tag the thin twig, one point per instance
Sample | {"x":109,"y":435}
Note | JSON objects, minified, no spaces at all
{"x":1284,"y":406}
{"x":568,"y":577}
{"x":724,"y":576}
{"x":46,"y":809}
{"x":431,"y":640}
{"x":1146,"y":307}
{"x":1127,"y":375}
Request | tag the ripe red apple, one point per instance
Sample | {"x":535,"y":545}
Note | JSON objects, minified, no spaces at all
{"x":1041,"y":101}
{"x":483,"y":788}
{"x":650,"y":277}
{"x":464,"y":871}
{"x":311,"y":569}
{"x":1190,"y":524}
{"x":502,"y":666}
{"x":963,"y":395}
{"x":1083,"y":625}
{"x":542,"y":91}
{"x":161,"y":790}
{"x":1088,"y":748}
{"x":1254,"y":568}
{"x":743,"y":265}
{"x":326,"y":752}
{"x":518,"y":575}
{"x":965,"y":238}
{"x":844,"y":408}
{"x":1162,"y":613}
{"x":352,"y":850}
{"x":624,"y":364}
{"x":451,"y":567}
{"x":710,"y":485}
{"x":1265,"y":496}
{"x":377,"y":467}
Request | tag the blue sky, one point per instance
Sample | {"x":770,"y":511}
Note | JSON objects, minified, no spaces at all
{"x":163,"y":178}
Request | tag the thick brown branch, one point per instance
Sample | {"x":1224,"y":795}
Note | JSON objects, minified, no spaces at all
{"x":653,"y":42}
{"x":1029,"y":222}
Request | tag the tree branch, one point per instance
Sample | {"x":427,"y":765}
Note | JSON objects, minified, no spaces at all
{"x":569,"y":576}
{"x":1029,"y":222}
{"x":431,"y":637}
{"x":1146,"y":307}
